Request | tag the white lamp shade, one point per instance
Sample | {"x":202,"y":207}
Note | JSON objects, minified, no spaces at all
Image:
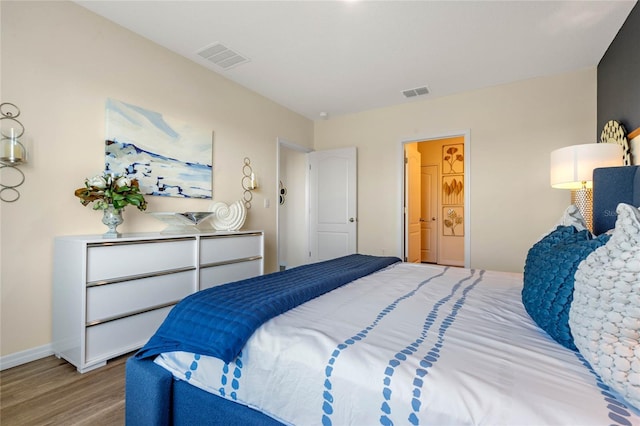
{"x":573,"y":165}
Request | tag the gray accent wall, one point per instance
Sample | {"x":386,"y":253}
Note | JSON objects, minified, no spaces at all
{"x":619,"y":77}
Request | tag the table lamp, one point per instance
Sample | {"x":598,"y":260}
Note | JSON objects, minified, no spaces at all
{"x":572,"y":168}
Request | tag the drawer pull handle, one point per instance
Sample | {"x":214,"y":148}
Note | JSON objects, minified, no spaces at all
{"x":248,"y":234}
{"x":230,"y":262}
{"x":126,"y":243}
{"x":139,"y":276}
{"x":130,"y":314}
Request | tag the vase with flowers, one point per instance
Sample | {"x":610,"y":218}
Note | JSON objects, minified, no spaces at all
{"x":111,"y":194}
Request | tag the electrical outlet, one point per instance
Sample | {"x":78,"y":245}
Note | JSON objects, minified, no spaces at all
{"x":266,"y":203}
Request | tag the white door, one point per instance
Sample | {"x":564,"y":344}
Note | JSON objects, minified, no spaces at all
{"x":413,"y":204}
{"x":429,"y":216}
{"x":332,"y":203}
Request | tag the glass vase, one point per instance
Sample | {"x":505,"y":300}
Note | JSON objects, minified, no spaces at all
{"x":112,"y":217}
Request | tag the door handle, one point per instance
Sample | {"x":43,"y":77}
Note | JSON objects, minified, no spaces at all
{"x":351,"y":219}
{"x":433,"y":219}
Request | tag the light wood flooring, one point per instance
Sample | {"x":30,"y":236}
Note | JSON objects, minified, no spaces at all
{"x":50,"y":391}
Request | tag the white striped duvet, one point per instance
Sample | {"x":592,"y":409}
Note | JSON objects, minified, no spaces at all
{"x":411,"y":344}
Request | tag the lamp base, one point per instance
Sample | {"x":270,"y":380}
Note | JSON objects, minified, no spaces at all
{"x":583,"y":200}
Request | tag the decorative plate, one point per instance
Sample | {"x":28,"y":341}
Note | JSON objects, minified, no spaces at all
{"x":614,"y":132}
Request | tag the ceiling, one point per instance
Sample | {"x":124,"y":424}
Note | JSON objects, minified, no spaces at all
{"x":328,"y":58}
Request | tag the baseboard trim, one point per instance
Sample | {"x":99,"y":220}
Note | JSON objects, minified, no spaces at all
{"x":451,"y":262}
{"x":23,"y":357}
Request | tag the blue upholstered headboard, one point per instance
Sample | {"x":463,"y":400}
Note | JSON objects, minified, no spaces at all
{"x":611,"y":186}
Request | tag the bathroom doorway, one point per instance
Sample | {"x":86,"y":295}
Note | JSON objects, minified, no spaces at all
{"x":435,"y":206}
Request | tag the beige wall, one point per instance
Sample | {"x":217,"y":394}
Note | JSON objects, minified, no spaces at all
{"x":59,"y":64}
{"x":513,"y":129}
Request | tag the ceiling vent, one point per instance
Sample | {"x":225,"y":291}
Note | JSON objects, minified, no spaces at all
{"x":222,"y":56}
{"x":418,"y":91}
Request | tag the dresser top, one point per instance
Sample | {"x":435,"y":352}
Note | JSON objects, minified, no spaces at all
{"x":153,"y":236}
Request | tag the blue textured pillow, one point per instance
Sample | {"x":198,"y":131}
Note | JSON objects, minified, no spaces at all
{"x":549,"y":277}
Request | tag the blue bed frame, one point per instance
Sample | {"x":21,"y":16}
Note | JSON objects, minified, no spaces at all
{"x":154,"y":398}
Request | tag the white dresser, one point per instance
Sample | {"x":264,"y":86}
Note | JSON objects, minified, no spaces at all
{"x":110,"y":295}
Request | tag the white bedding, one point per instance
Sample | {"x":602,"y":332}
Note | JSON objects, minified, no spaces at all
{"x":411,"y":344}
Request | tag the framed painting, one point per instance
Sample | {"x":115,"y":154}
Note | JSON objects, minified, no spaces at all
{"x":453,"y":159}
{"x":453,"y":223}
{"x":453,"y":189}
{"x":167,"y":156}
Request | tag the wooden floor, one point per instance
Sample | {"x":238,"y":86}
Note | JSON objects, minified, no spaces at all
{"x":51,"y":392}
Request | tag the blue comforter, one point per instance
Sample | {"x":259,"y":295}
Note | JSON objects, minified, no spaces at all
{"x":219,"y":321}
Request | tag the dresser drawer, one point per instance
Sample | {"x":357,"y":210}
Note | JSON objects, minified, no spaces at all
{"x":223,"y":249}
{"x":117,"y":260}
{"x":113,"y":338}
{"x":113,"y":300}
{"x":111,"y":295}
{"x":216,"y":275}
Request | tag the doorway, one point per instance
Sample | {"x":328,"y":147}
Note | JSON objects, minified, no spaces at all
{"x":435,"y":205}
{"x":317,"y":206}
{"x":292,"y":219}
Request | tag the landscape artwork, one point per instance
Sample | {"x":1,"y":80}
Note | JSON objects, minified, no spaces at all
{"x":168,"y":157}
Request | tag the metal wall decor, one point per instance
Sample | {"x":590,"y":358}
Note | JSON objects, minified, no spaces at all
{"x":12,"y":152}
{"x":283,"y":193}
{"x":614,"y":132}
{"x":249,"y":183}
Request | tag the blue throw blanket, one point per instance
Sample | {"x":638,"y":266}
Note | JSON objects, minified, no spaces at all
{"x":219,"y":321}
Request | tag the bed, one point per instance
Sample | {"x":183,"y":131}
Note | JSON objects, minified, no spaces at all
{"x":378,"y":341}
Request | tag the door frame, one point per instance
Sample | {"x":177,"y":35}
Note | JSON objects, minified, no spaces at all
{"x":410,"y":202}
{"x":467,"y":188}
{"x":280,"y":143}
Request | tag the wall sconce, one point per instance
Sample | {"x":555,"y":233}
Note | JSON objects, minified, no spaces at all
{"x":249,"y":182}
{"x":572,"y":168}
{"x":12,"y":151}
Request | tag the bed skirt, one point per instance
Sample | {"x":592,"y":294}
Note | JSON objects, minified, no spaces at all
{"x":154,"y":398}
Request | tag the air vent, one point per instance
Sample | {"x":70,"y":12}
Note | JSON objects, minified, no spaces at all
{"x":418,"y":91}
{"x":222,"y":56}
